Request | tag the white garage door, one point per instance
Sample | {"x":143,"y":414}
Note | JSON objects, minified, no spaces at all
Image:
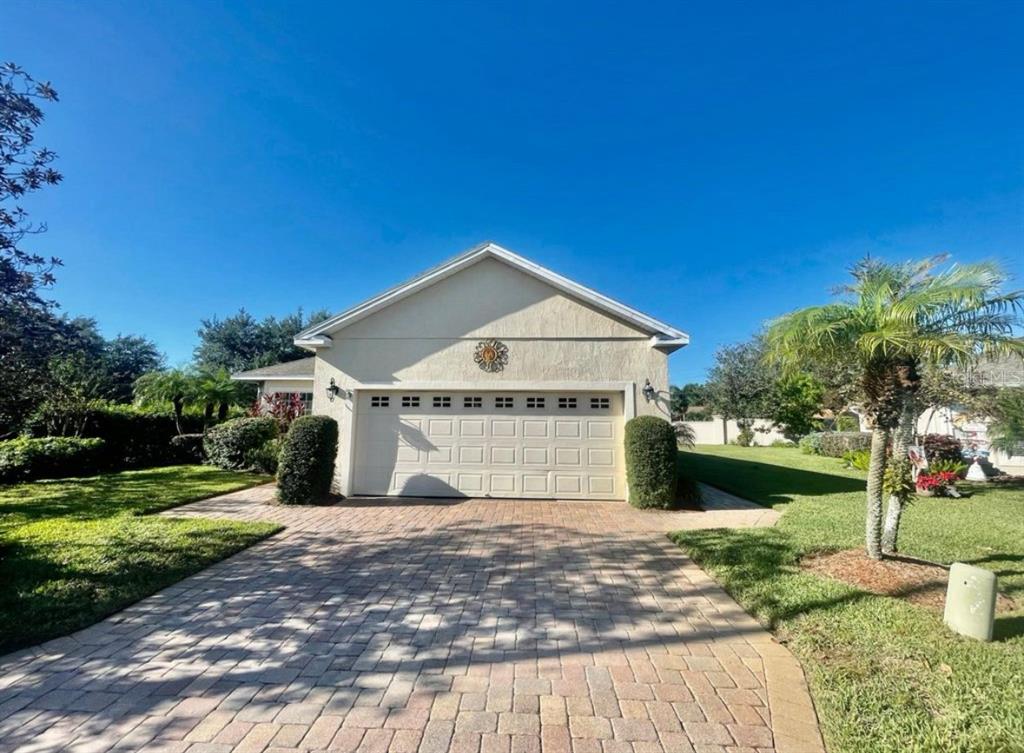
{"x":490,"y":444}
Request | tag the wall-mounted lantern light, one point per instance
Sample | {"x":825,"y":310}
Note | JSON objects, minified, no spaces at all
{"x":333,"y":390}
{"x":649,"y":392}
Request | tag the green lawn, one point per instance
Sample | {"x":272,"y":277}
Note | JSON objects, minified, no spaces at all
{"x":73,"y":551}
{"x":885,"y":675}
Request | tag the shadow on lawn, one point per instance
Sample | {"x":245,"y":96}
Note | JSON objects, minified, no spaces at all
{"x":764,"y":483}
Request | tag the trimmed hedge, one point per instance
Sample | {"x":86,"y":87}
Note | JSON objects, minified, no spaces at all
{"x":306,"y":462}
{"x":230,"y":444}
{"x":133,"y":438}
{"x":187,"y":449}
{"x":26,"y":458}
{"x":835,"y":444}
{"x":651,"y":462}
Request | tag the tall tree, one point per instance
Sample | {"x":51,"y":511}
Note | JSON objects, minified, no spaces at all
{"x":740,"y":385}
{"x":892,"y":320}
{"x":686,"y":397}
{"x":125,"y":359}
{"x":28,"y":329}
{"x":793,"y":404}
{"x":242,"y":342}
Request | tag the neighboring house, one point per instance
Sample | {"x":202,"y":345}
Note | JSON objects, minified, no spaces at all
{"x":292,"y":377}
{"x":972,"y":430}
{"x":488,"y":376}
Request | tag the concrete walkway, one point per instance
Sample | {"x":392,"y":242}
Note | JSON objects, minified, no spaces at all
{"x":425,"y":625}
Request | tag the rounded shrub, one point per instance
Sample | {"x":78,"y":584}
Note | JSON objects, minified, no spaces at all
{"x":306,"y":462}
{"x":25,"y":458}
{"x":651,"y":462}
{"x":187,"y":448}
{"x":835,"y":444}
{"x":229,"y":445}
{"x":942,"y":447}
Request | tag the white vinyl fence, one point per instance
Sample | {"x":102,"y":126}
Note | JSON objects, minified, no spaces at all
{"x":717,"y":431}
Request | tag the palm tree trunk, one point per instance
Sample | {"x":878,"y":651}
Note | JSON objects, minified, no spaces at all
{"x":179,"y":407}
{"x":876,"y":472}
{"x":222,"y":411}
{"x":902,"y":438}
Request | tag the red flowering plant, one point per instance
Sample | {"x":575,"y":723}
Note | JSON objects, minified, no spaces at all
{"x":939,"y":484}
{"x":284,"y":406}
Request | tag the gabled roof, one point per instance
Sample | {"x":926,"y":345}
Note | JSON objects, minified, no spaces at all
{"x":293,"y":370}
{"x":663,"y":336}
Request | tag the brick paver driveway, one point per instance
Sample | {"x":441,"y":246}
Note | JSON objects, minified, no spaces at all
{"x":422,"y":626}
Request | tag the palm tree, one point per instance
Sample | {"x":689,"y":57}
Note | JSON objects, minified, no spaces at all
{"x":892,"y":321}
{"x":174,"y":386}
{"x":215,"y":388}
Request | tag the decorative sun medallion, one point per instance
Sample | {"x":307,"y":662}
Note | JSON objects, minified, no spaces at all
{"x":491,"y":355}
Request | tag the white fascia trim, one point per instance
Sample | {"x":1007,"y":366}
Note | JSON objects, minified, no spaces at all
{"x":272,"y":378}
{"x":484,"y":386}
{"x":312,"y":342}
{"x":490,"y":250}
{"x":669,"y":344}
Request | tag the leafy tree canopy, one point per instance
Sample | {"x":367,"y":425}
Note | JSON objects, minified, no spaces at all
{"x":242,"y":342}
{"x":740,"y":384}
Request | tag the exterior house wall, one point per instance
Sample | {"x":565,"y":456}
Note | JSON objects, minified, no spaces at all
{"x":429,"y":339}
{"x":286,"y":385}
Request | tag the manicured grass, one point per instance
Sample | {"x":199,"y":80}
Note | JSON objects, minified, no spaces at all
{"x":73,"y":551}
{"x":885,"y":675}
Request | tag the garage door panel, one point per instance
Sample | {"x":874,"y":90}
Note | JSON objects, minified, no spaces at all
{"x":490,"y":444}
{"x":504,"y":427}
{"x":535,"y":428}
{"x":535,"y":456}
{"x":567,"y":428}
{"x":440,"y":427}
{"x":503,"y":455}
{"x":439,"y":455}
{"x":567,"y":455}
{"x":470,"y":454}
{"x":568,"y":484}
{"x":471,"y":427}
{"x":536,"y":484}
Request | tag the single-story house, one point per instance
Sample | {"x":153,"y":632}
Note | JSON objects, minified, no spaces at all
{"x":486,"y":376}
{"x":291,"y":377}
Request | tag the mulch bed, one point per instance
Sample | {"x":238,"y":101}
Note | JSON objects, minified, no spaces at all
{"x":917,"y":581}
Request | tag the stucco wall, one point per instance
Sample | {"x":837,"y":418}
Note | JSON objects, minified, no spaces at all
{"x":291,"y":385}
{"x":431,"y":337}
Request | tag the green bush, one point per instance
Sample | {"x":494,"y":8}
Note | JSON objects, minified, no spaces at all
{"x":133,"y":437}
{"x":264,"y":459}
{"x":835,"y":444}
{"x":845,"y":422}
{"x":959,"y":467}
{"x":942,"y":447}
{"x":859,"y":459}
{"x":651,"y":462}
{"x":187,"y":449}
{"x":306,"y":462}
{"x":26,"y":458}
{"x":810,"y":444}
{"x":230,"y":444}
{"x":783,"y":443}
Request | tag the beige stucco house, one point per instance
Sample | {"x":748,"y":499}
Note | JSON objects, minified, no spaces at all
{"x":488,"y":375}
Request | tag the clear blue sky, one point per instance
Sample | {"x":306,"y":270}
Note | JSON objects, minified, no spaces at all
{"x":713,"y":165}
